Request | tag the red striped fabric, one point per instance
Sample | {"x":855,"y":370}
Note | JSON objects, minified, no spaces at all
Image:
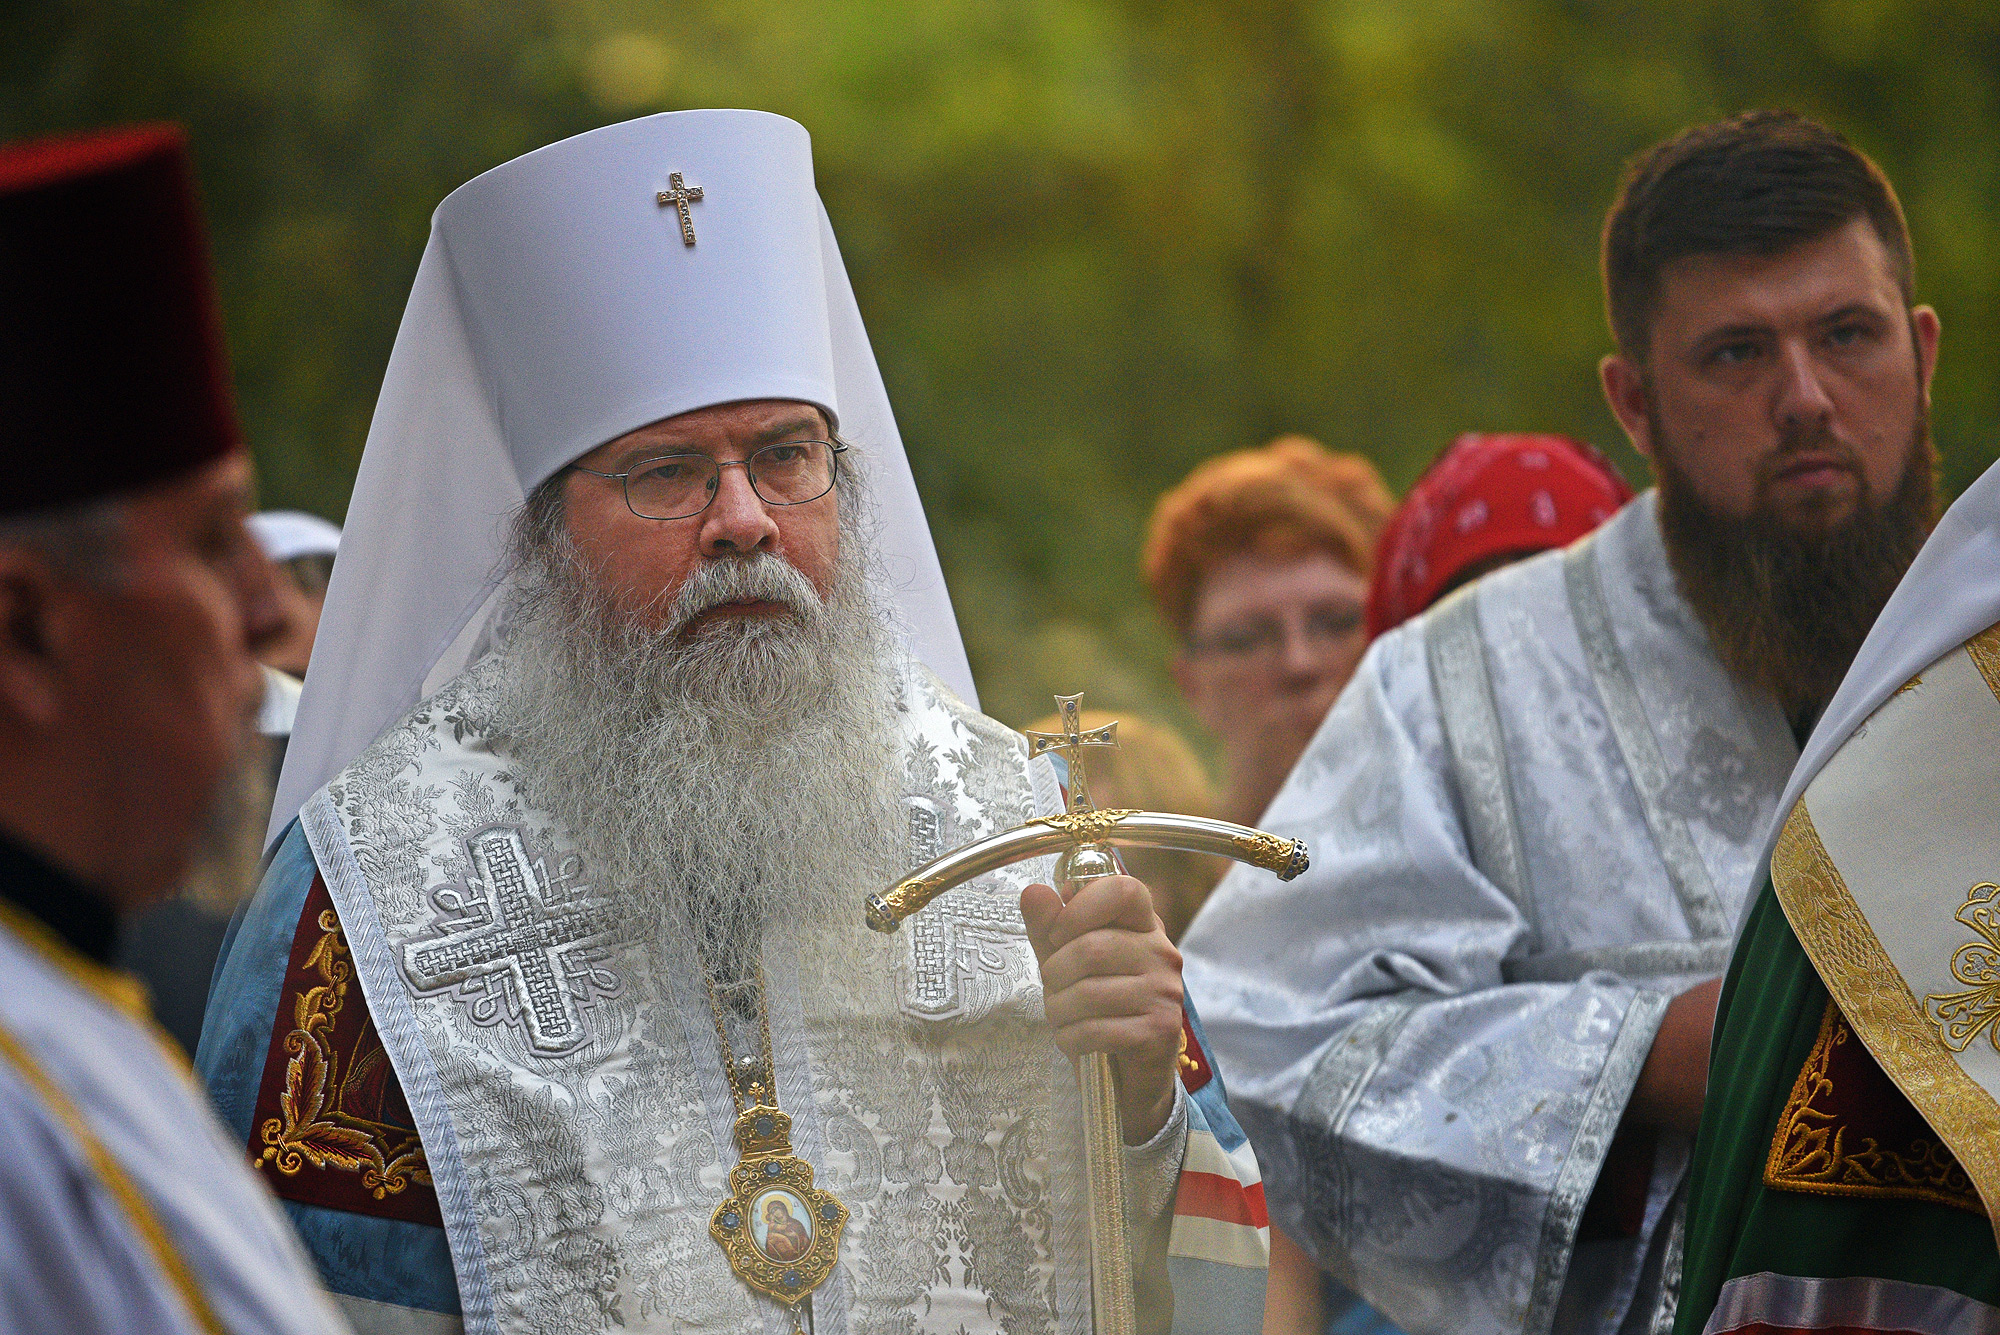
{"x":1213,"y":1196}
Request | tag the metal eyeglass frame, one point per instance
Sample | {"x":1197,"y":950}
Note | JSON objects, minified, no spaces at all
{"x":624,"y":480}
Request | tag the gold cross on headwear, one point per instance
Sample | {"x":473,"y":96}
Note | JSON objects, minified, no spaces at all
{"x":1072,"y":739}
{"x":680,"y":196}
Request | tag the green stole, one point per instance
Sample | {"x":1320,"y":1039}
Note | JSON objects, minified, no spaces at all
{"x":1767,"y":1026}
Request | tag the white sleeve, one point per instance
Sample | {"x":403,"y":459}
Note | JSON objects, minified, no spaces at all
{"x":1152,"y":1174}
{"x":70,"y":1258}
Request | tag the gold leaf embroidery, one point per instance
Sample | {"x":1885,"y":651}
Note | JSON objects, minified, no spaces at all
{"x":1879,"y":1005}
{"x":306,"y":1132}
{"x":1817,"y":1149}
{"x":1960,"y":1017}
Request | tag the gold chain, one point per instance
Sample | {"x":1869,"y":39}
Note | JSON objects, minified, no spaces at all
{"x":740,"y":1091}
{"x":749,"y":1093}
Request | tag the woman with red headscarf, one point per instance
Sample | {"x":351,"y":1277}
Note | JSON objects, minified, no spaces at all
{"x":1489,"y":500}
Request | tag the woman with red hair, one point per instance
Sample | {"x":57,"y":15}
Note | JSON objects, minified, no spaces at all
{"x":1259,"y":562}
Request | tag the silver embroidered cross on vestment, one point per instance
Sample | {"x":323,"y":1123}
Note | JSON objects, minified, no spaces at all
{"x":523,"y":927}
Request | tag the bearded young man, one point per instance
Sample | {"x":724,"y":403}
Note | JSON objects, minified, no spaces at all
{"x":601,"y":879}
{"x":1470,"y":1045}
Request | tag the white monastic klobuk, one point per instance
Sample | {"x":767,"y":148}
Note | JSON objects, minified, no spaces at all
{"x":517,"y":354}
{"x":1533,"y":816}
{"x":1887,"y":857}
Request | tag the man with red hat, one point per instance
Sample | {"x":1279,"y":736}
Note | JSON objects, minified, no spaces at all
{"x":1471,"y":1045}
{"x":131,"y":595}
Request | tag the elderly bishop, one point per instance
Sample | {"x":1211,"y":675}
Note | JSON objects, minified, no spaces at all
{"x":555,"y":1011}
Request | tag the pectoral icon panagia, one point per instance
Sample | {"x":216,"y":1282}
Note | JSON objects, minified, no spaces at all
{"x":1083,"y":838}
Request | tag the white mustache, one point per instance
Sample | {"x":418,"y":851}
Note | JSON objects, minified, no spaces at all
{"x":759,"y":575}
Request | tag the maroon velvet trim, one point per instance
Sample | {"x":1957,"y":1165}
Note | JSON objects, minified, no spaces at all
{"x":39,"y":162}
{"x":332,"y":1127}
{"x":1846,"y":1130}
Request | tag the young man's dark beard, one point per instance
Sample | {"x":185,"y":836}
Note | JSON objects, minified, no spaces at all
{"x":1786,"y":608}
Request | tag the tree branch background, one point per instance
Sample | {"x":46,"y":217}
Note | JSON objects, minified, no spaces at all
{"x":1095,"y":243}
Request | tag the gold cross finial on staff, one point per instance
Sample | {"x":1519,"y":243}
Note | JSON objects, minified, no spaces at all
{"x":680,"y":195}
{"x":1113,"y":1298}
{"x":1079,"y":839}
{"x":1072,"y":739}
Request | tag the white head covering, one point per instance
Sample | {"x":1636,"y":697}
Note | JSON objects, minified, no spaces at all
{"x":287,"y":534}
{"x":1950,"y":593}
{"x":557,"y":307}
{"x":280,"y":706}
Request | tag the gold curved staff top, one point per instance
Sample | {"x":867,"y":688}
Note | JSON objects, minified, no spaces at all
{"x":1082,"y":838}
{"x":1058,"y":834}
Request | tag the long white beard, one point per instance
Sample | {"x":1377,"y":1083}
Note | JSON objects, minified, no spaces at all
{"x":721,"y":782}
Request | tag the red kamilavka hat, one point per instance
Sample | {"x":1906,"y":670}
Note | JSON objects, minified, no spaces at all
{"x":112,"y":372}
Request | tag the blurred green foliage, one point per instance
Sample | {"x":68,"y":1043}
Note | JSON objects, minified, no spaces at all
{"x":1095,"y":242}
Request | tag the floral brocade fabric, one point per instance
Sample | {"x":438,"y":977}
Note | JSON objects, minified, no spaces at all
{"x":570,"y":1053}
{"x":332,"y":1127}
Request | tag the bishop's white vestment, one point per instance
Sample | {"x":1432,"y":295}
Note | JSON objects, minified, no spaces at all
{"x":521,"y":1120}
{"x":1849,"y":1168}
{"x":1533,"y":816}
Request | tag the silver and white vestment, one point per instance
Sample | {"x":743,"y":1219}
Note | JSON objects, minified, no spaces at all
{"x":563,"y":1069}
{"x":1533,"y":816}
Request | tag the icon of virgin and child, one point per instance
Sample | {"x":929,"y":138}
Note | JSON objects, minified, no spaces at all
{"x":780,"y":1234}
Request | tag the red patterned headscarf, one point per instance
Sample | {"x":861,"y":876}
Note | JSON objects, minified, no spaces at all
{"x":1487,"y":495}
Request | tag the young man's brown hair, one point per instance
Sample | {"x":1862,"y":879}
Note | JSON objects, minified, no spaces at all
{"x":1759,"y":183}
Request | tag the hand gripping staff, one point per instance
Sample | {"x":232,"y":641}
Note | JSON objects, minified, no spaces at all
{"x":1082,"y":838}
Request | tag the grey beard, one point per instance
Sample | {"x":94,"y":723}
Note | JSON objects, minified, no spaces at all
{"x":223,"y":870}
{"x":718,"y":782}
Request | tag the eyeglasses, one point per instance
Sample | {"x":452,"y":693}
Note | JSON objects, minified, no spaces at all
{"x":679,"y":486}
{"x":1264,"y":639}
